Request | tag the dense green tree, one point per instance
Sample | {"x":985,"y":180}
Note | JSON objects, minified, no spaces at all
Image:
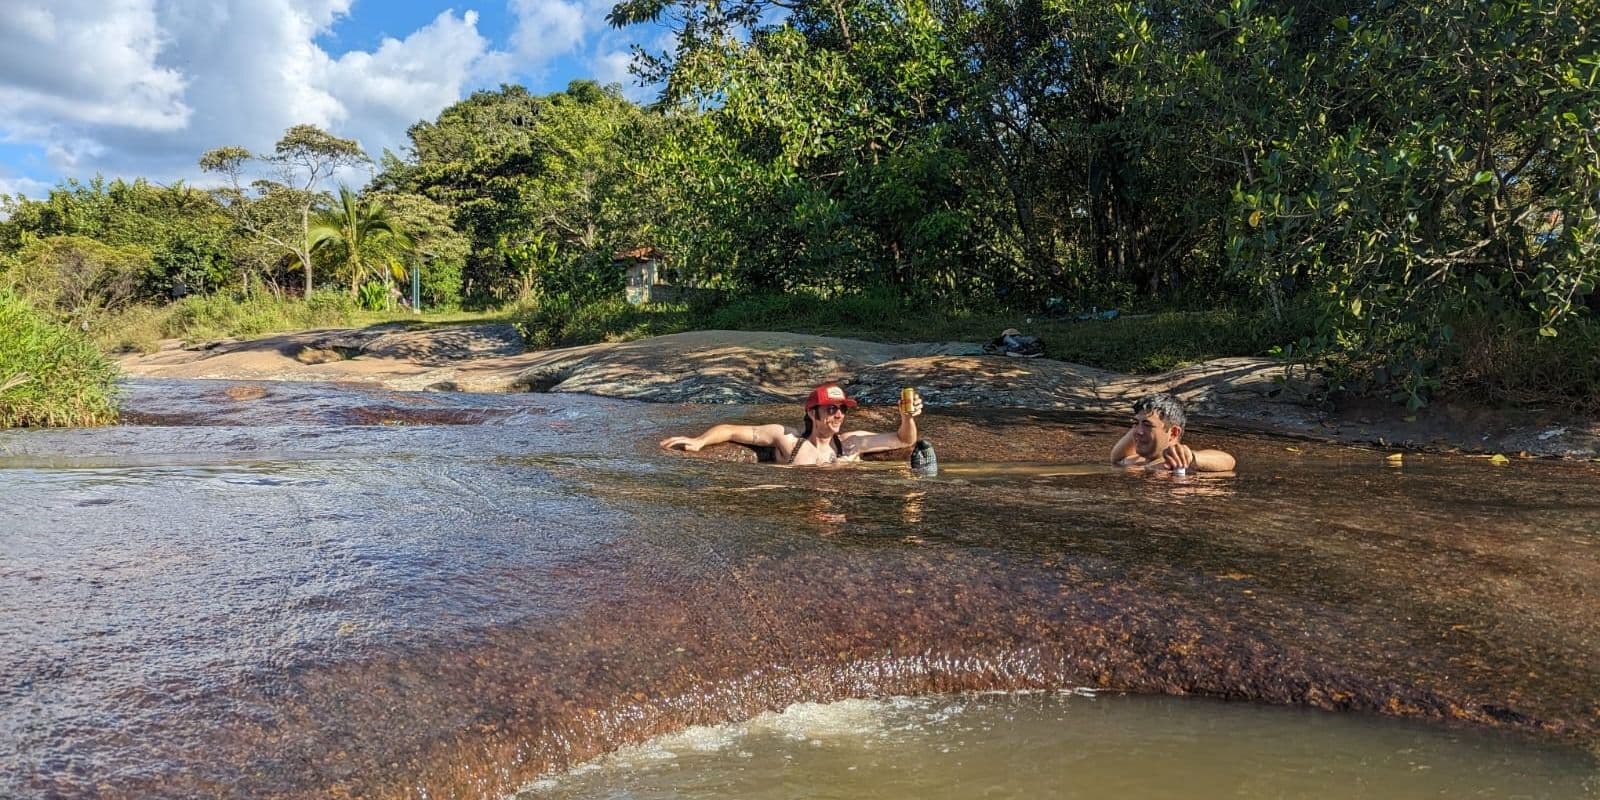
{"x":1386,"y":172}
{"x":436,"y":249}
{"x":818,"y":151}
{"x":1467,"y":182}
{"x":1399,"y":166}
{"x":76,"y":277}
{"x":536,"y":182}
{"x":185,"y":232}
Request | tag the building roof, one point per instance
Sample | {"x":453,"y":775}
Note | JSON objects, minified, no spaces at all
{"x":646,"y":253}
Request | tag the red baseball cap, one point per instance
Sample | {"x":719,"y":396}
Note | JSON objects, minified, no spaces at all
{"x":828,"y":394}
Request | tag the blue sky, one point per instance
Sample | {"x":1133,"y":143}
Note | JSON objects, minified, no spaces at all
{"x":130,"y":88}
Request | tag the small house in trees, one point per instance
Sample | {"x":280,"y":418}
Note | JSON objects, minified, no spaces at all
{"x":649,"y":280}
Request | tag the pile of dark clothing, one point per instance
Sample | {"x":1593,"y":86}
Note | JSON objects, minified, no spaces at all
{"x":1013,"y":343}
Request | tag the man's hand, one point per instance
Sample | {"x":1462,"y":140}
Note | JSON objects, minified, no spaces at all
{"x":690,"y":443}
{"x":916,"y":406}
{"x":1178,"y":456}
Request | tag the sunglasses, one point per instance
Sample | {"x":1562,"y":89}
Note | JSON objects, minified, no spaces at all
{"x":828,"y":411}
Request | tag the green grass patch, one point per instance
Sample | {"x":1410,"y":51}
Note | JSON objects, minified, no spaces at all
{"x":1145,"y":343}
{"x":1510,"y":364}
{"x":51,"y":375}
{"x":1157,"y":342}
{"x":546,"y":323}
{"x":204,"y":318}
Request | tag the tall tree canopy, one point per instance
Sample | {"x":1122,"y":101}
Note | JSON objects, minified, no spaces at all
{"x":536,"y":182}
{"x":1392,"y":164}
{"x":277,"y":208}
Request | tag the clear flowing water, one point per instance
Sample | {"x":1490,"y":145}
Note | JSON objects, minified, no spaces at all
{"x":1071,"y":746}
{"x":301,"y":590}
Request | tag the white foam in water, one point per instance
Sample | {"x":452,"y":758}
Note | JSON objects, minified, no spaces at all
{"x":845,"y":719}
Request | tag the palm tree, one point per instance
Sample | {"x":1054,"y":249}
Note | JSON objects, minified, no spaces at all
{"x":351,"y":228}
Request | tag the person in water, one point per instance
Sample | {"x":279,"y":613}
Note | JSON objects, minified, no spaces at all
{"x":821,"y":439}
{"x":1153,"y":441}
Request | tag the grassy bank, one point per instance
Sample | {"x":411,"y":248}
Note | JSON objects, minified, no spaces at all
{"x":1504,"y":364}
{"x":50,"y":374}
{"x":1143,"y":343}
{"x":1489,"y":362}
{"x":205,"y":318}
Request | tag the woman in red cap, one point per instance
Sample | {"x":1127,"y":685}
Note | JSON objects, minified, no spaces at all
{"x":821,"y":440}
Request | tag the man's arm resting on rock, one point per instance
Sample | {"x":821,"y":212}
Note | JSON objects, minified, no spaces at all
{"x":1212,"y":461}
{"x":753,"y":435}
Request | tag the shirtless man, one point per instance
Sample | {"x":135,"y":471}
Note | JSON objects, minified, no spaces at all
{"x":820,"y":441}
{"x":1152,"y":442}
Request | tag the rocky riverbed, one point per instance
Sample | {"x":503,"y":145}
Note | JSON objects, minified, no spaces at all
{"x":301,"y":589}
{"x":745,"y":367}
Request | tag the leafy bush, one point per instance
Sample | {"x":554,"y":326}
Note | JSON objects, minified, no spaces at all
{"x":77,"y":277}
{"x":560,"y":322}
{"x":50,"y":374}
{"x":203,"y":317}
{"x":374,"y":296}
{"x":329,"y":306}
{"x":1505,"y":362}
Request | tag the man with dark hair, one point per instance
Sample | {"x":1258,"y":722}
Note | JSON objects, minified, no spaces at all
{"x":821,"y":440}
{"x":1153,"y":441}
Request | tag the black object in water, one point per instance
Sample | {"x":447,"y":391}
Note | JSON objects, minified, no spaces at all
{"x":923,"y":460}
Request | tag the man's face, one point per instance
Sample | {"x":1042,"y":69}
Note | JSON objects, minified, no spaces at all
{"x":1151,"y":434}
{"x":828,"y":420}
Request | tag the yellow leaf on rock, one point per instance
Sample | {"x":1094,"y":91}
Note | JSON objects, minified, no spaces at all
{"x":1499,"y":460}
{"x":1396,"y":458}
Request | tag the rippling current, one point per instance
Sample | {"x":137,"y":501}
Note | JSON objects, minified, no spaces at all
{"x":304,"y":590}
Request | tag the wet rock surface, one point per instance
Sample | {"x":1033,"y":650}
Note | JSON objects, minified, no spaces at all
{"x":743,"y":367}
{"x":275,"y":593}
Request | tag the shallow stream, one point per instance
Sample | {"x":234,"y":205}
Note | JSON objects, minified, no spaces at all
{"x":308,"y":590}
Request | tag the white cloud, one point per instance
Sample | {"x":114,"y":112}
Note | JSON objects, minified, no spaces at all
{"x":548,"y":29}
{"x":88,"y":62}
{"x":612,"y":67}
{"x":613,"y":56}
{"x":143,"y":87}
{"x":24,"y":186}
{"x":382,"y":93}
